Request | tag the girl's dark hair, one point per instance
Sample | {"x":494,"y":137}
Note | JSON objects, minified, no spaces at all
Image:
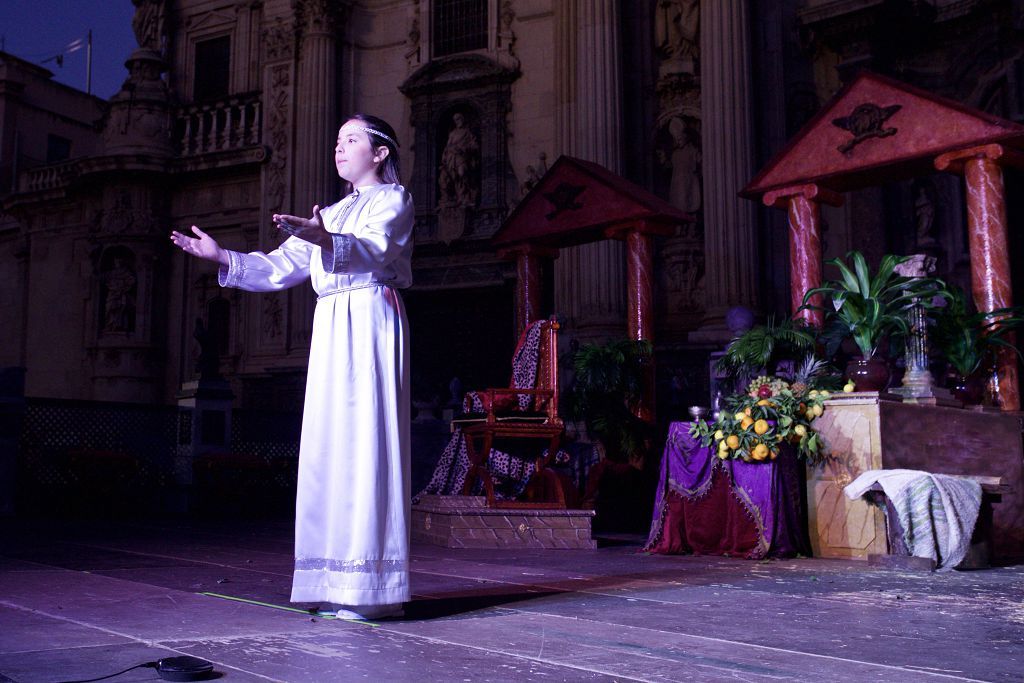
{"x":390,"y":168}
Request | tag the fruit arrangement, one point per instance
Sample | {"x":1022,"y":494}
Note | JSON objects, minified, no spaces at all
{"x":754,"y":426}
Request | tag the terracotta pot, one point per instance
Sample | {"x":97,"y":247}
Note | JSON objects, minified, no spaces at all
{"x":969,"y":389}
{"x":868,"y":375}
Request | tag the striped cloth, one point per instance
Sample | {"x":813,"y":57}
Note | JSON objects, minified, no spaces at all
{"x":937,"y":511}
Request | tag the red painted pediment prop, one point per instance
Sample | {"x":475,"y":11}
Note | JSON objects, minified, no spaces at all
{"x":878,"y":129}
{"x":577,"y":202}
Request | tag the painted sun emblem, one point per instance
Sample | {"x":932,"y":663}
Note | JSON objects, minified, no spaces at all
{"x":866,"y":121}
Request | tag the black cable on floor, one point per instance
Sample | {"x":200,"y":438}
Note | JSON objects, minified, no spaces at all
{"x":151,"y":665}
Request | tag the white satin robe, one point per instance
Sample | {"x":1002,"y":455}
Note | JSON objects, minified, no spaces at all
{"x":352,"y":506}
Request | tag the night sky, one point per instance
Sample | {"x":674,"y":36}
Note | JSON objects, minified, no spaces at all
{"x":37,"y":29}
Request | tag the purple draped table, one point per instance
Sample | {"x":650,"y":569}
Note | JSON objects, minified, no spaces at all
{"x":710,"y":506}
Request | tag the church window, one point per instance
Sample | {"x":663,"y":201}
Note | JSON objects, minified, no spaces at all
{"x":459,"y":26}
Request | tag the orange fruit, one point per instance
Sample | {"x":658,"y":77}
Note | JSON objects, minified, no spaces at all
{"x":747,"y":421}
{"x":732,"y":441}
{"x":760,"y":452}
{"x":760,"y":427}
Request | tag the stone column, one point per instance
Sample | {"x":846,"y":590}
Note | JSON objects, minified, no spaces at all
{"x":987,"y":238}
{"x":730,"y":234}
{"x":316,"y":179}
{"x":590,"y":282}
{"x":803,"y":203}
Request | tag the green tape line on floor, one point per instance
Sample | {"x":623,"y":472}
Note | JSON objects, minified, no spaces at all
{"x":286,"y":609}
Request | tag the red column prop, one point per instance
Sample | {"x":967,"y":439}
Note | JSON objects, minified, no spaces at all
{"x":987,"y":238}
{"x":529,"y":282}
{"x":640,"y":295}
{"x":803,"y":203}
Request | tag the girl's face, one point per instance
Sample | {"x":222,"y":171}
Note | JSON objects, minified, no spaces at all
{"x":356,"y":161}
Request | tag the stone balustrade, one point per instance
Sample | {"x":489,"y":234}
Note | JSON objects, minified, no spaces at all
{"x":225,"y":125}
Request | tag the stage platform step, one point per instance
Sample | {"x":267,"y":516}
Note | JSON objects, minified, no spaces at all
{"x":466,"y":522}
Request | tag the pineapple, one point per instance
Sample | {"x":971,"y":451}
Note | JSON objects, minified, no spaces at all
{"x":809,"y":369}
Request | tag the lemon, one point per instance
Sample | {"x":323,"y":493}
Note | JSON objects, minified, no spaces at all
{"x":723,"y":454}
{"x":719,"y":435}
{"x":849,"y":387}
{"x":746,"y":411}
{"x":814,"y":392}
{"x":760,"y":452}
{"x":760,"y":427}
{"x":733,"y":441}
{"x":800,"y":429}
{"x":817,"y":410}
{"x":825,"y":394}
{"x":739,"y":416}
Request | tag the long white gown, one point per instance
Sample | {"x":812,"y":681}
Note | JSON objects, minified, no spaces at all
{"x":353,"y":501}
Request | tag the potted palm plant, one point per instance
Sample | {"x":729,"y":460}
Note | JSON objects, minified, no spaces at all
{"x":969,"y":342}
{"x":870,"y":308}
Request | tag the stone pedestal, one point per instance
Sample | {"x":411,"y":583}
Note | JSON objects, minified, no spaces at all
{"x":866,"y":431}
{"x":466,"y":522}
{"x":204,"y":427}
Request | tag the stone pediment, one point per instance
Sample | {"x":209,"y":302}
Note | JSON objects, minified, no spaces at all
{"x":577,"y":202}
{"x":210,"y":20}
{"x":877,"y":129}
{"x":457,"y":72}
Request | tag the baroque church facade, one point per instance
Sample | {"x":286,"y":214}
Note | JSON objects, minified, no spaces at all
{"x":229,"y":113}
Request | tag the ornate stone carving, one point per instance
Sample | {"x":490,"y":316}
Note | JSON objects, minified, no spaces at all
{"x":412,"y":53}
{"x":319,"y":16}
{"x":273,"y":316}
{"x":866,"y":121}
{"x":278,"y":40}
{"x":278,"y":138}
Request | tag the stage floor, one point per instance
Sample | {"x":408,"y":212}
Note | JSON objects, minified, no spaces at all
{"x":85,"y":599}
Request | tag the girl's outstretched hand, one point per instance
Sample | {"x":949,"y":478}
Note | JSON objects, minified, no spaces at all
{"x":203,"y":246}
{"x":311,"y":230}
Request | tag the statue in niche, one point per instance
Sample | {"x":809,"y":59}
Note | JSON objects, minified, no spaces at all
{"x":148,"y":24}
{"x":534,"y":174}
{"x":119,"y":298}
{"x":683,"y":158}
{"x":677,"y":29}
{"x":458,"y":178}
{"x":924,"y":216}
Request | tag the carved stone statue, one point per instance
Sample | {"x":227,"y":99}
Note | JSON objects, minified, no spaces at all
{"x":684,"y":159}
{"x":459,"y":177}
{"x":119,"y":304}
{"x":148,"y":24}
{"x":924,"y":216}
{"x":677,"y":28}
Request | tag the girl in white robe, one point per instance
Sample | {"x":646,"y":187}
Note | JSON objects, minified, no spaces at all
{"x":353,"y":497}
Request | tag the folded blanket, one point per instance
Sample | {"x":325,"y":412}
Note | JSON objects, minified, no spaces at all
{"x":937,"y":511}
